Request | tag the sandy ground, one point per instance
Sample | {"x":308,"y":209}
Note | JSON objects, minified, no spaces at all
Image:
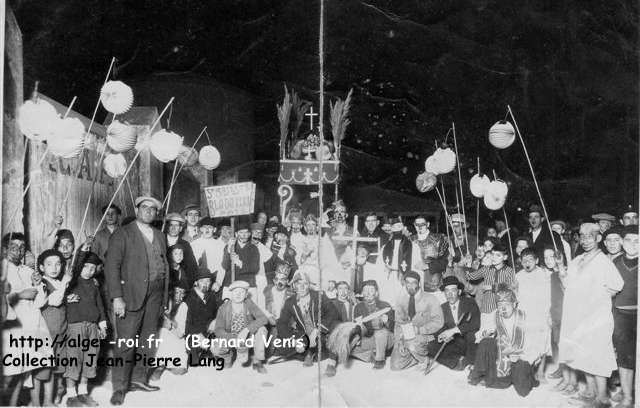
{"x":290,"y":384}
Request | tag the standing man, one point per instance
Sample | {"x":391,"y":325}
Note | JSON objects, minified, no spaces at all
{"x":246,"y":258}
{"x":604,"y":220}
{"x":538,"y":234}
{"x":175,"y":223}
{"x":111,"y":223}
{"x":192,"y":214}
{"x":433,"y":250}
{"x":372,"y":230}
{"x":135,"y":271}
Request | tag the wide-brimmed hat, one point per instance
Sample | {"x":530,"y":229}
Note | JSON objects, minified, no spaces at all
{"x":203,"y":273}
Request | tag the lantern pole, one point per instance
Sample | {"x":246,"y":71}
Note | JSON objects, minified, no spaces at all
{"x":506,"y":222}
{"x":455,"y":144}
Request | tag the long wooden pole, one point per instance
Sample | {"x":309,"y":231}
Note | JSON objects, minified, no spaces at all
{"x":455,"y":144}
{"x":321,"y":189}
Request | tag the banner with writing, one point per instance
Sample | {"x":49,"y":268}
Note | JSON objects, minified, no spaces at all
{"x":231,"y":199}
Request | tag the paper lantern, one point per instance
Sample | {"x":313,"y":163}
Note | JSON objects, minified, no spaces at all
{"x":502,"y":134}
{"x":445,"y":160}
{"x":165,"y":145}
{"x":67,"y":138}
{"x":37,"y":119}
{"x":188,"y":156}
{"x":115,"y":165}
{"x":116,"y":97}
{"x":430,"y":165}
{"x":426,"y":181}
{"x":493,"y":202}
{"x":497,"y":188}
{"x":209,"y":157}
{"x":478,"y":185}
{"x":121,"y":137}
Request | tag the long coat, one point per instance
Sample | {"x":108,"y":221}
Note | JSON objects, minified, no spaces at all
{"x":127,"y":267}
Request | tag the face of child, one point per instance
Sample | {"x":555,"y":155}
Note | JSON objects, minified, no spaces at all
{"x":369,"y":293}
{"x":505,"y":309}
{"x":520,"y":246}
{"x":343,"y":292}
{"x":491,"y":232}
{"x":361,"y":256}
{"x":488,"y":245}
{"x":225,"y":232}
{"x":88,"y":270}
{"x":386,"y":227}
{"x":613,"y":243}
{"x":557,"y":228}
{"x":178,"y":295}
{"x":549,"y":259}
{"x":498,"y":258}
{"x":66,"y":247}
{"x":529,"y":262}
{"x":203,"y":284}
{"x":207,"y":231}
{"x":262,"y":218}
{"x":177,"y":255}
{"x":630,"y":245}
{"x":238,"y":295}
{"x":51,"y":266}
{"x":256,"y":235}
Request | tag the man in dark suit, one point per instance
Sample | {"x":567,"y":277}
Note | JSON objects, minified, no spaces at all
{"x":461,"y":322}
{"x":344,"y":301}
{"x":540,"y":234}
{"x":135,"y":271}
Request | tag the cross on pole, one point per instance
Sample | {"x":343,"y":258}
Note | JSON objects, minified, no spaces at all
{"x":311,"y":115}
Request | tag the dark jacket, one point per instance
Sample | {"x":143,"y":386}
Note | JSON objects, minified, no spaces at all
{"x":342,"y":311}
{"x":199,"y":313}
{"x":273,"y":262}
{"x":127,"y":268}
{"x":544,"y":240}
{"x":291,"y":321}
{"x":250,"y":257}
{"x":468,"y":308}
{"x":189,"y":263}
{"x":361,"y":311}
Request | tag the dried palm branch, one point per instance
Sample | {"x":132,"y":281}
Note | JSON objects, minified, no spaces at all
{"x":340,"y":120}
{"x":284,"y":115}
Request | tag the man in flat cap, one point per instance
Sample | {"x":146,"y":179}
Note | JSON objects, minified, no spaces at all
{"x":539,"y":233}
{"x":174,"y":225}
{"x":135,"y":273}
{"x":418,"y":319}
{"x":192,"y":214}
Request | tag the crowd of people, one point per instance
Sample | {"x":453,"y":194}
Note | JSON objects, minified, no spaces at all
{"x":499,"y":307}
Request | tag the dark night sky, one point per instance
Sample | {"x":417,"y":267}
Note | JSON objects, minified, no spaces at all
{"x":569,"y":69}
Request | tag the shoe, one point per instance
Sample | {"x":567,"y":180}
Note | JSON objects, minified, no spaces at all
{"x":460,"y":365}
{"x":556,"y":374}
{"x":617,"y":396}
{"x":59,"y":395}
{"x":379,"y":365}
{"x":74,"y":402}
{"x":308,"y":360}
{"x":560,"y":386}
{"x":117,"y":398}
{"x":157,"y":374}
{"x":259,"y":367}
{"x":474,"y":381}
{"x":87,"y":401}
{"x":330,"y":371}
{"x":246,"y":363}
{"x":582,"y":399}
{"x":140,"y":386}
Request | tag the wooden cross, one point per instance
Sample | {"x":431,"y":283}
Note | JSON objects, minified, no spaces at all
{"x":311,"y":115}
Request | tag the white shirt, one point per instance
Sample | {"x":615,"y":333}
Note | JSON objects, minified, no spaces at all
{"x":214,"y":250}
{"x":146,"y":230}
{"x":536,"y":233}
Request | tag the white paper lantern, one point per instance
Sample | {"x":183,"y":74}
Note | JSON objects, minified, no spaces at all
{"x":121,"y":137}
{"x":445,"y":160}
{"x":115,"y":165}
{"x":165,"y":145}
{"x":430,"y":165}
{"x":67,"y":138}
{"x":493,"y":202}
{"x":209,"y":157}
{"x":426,"y":181}
{"x":188,"y":156}
{"x":478,"y":185}
{"x":502,"y":134}
{"x":497,"y":188}
{"x":37,"y":119}
{"x":116,"y":97}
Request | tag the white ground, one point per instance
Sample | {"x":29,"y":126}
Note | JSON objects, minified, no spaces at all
{"x":290,"y":384}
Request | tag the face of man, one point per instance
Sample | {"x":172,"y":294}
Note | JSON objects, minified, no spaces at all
{"x":175,"y":228}
{"x":386,"y":227}
{"x":535,"y":220}
{"x":51,"y":266}
{"x":66,"y":247}
{"x":302,"y":288}
{"x":262,"y":218}
{"x":370,"y":294}
{"x":296,"y":224}
{"x":370,"y":223}
{"x":529,"y":262}
{"x":146,"y":212}
{"x":630,"y":245}
{"x":193,"y":216}
{"x":452,"y":293}
{"x":238,"y":295}
{"x":411,"y":285}
{"x":15,"y":251}
{"x":256,"y":235}
{"x":613,"y":243}
{"x":630,"y":218}
{"x":243,"y":235}
{"x":178,"y":295}
{"x":589,"y":240}
{"x":111,"y":217}
{"x":604,"y":225}
{"x":343,"y":292}
{"x":505,"y":309}
{"x":280,"y":281}
{"x":491,"y":232}
{"x":204,"y":284}
{"x":422,"y":226}
{"x":207,"y":231}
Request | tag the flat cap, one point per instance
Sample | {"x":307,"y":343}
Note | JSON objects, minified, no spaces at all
{"x":156,"y":203}
{"x":175,"y":217}
{"x":239,"y":284}
{"x":603,"y":217}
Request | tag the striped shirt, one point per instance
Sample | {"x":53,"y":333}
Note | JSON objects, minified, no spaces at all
{"x":493,"y":277}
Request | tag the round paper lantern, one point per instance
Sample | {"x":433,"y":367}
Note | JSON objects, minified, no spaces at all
{"x":497,"y":188}
{"x":116,"y":97}
{"x":209,"y":157}
{"x":426,"y":181}
{"x":445,"y":160}
{"x":67,"y":138}
{"x":165,"y":145}
{"x":37,"y":119}
{"x":493,"y":202}
{"x":188,"y":156}
{"x":430,"y":165}
{"x":478,"y":185}
{"x":502,"y":134}
{"x":115,"y":165}
{"x":121,"y":137}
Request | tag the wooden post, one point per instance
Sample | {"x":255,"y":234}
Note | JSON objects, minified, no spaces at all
{"x":233,"y":251}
